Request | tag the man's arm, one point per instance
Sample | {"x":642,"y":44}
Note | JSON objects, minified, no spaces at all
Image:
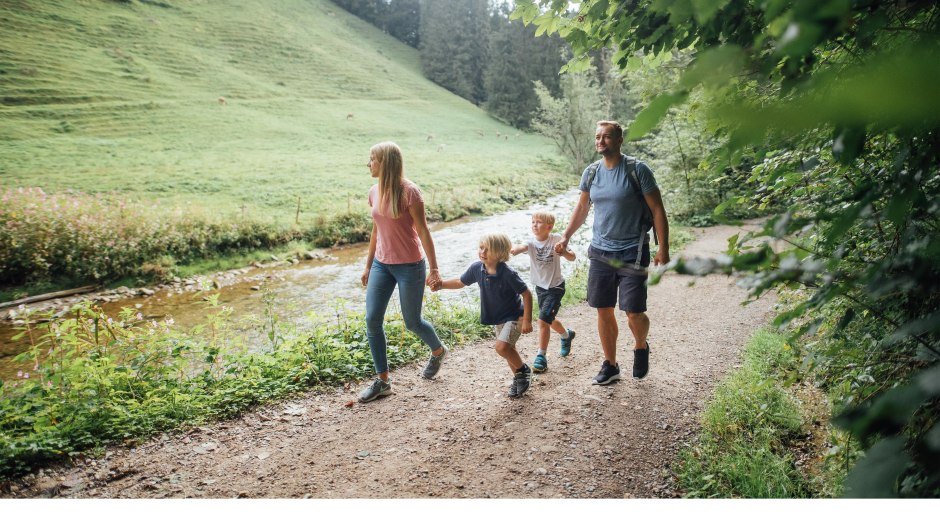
{"x":660,"y":224}
{"x":578,"y":216}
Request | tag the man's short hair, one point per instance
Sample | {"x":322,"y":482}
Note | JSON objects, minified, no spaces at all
{"x":618,"y":130}
{"x":498,"y":245}
{"x":545,"y":217}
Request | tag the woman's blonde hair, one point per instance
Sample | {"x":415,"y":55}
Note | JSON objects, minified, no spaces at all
{"x":498,"y":245}
{"x":391,"y":175}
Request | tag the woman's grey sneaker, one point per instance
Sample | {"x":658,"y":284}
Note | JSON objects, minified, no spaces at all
{"x":641,"y":362}
{"x":520,"y":382}
{"x":377,"y":389}
{"x":566,"y":344}
{"x":608,"y":374}
{"x":434,"y":365}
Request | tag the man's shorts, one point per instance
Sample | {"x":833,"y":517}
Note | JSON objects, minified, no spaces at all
{"x":549,"y":301}
{"x":613,"y":274}
{"x":508,"y":332}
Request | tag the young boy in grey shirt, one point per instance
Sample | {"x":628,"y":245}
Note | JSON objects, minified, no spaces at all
{"x":549,"y":284}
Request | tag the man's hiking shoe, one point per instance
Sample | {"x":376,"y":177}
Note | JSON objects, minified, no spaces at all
{"x":377,"y":389}
{"x":566,"y":344}
{"x":434,"y":365}
{"x":540,"y":364}
{"x":641,"y":362}
{"x":520,"y":382}
{"x":608,"y":374}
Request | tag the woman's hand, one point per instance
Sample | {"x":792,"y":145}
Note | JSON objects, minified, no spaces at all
{"x":365,"y":277}
{"x":434,"y":279}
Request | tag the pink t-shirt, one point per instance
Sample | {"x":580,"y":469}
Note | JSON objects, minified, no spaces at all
{"x":396,"y":240}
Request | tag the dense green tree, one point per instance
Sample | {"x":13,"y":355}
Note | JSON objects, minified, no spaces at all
{"x":829,"y":109}
{"x":516,"y":60}
{"x":454,"y":36}
{"x":399,"y":18}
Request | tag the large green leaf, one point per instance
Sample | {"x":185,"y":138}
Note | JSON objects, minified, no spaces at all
{"x":650,"y":116}
{"x":876,"y":475}
{"x":705,"y":10}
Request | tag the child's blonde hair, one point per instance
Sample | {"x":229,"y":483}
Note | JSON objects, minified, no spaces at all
{"x":498,"y":245}
{"x":545,"y":217}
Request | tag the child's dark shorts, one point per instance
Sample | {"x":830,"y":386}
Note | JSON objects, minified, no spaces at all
{"x":613,"y":274}
{"x":549,"y":301}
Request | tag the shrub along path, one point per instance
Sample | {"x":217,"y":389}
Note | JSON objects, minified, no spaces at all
{"x":459,"y":435}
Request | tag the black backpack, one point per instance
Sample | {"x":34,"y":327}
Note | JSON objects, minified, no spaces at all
{"x":630,"y":167}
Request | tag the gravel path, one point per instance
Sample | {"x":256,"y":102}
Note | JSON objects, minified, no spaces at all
{"x":459,"y":436}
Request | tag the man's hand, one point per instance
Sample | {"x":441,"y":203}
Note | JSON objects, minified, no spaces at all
{"x":662,"y":257}
{"x":562,"y":245}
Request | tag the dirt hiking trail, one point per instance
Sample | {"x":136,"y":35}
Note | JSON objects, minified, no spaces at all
{"x":459,"y":435}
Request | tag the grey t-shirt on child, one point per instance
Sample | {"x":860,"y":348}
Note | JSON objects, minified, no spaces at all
{"x":545,"y":262}
{"x":617,"y":210}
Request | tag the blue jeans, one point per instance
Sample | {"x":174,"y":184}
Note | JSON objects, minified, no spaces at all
{"x":382,"y":280}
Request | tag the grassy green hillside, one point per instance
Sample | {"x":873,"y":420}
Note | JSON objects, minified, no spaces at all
{"x":111,"y":96}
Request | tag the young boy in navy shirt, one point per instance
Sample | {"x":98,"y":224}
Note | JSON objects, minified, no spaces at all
{"x":505,"y":303}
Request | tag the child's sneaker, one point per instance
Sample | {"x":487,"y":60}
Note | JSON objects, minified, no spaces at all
{"x":566,"y":344}
{"x":377,"y":389}
{"x":608,"y":374}
{"x":540,"y":364}
{"x":641,"y":362}
{"x":434,"y":365}
{"x":520,"y":382}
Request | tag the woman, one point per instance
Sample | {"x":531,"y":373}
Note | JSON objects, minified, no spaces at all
{"x":399,"y":229}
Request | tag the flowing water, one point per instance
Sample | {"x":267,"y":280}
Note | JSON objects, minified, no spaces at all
{"x":327,"y":287}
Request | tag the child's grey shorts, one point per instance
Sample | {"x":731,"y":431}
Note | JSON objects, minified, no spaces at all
{"x":508,"y":332}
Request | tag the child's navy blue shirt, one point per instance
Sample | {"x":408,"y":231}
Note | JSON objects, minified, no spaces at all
{"x":499,"y":293}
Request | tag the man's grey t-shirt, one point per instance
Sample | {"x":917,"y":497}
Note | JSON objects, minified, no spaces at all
{"x":618,"y":211}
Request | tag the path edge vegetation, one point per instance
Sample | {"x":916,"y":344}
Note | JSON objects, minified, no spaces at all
{"x":793,"y":93}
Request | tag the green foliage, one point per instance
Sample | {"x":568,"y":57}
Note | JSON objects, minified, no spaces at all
{"x":98,"y":379}
{"x":453,"y":45}
{"x":795,"y":92}
{"x":569,"y":120}
{"x":748,"y":426}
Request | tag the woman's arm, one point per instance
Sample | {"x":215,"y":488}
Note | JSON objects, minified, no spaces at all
{"x":421,"y":226}
{"x":369,"y":257}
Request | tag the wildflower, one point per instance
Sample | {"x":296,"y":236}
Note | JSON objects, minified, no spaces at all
{"x":19,"y":373}
{"x":26,"y":375}
{"x":140,"y":316}
{"x":170,"y":321}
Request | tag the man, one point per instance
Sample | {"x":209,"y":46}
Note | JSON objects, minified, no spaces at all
{"x":627,"y":202}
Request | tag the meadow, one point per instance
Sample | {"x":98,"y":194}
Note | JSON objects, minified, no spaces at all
{"x":242,"y":112}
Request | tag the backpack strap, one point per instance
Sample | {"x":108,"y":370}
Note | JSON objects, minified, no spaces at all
{"x":592,"y":172}
{"x":631,"y":168}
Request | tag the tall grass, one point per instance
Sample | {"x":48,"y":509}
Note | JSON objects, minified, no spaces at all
{"x":98,"y":379}
{"x":747,"y":429}
{"x":94,"y":237}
